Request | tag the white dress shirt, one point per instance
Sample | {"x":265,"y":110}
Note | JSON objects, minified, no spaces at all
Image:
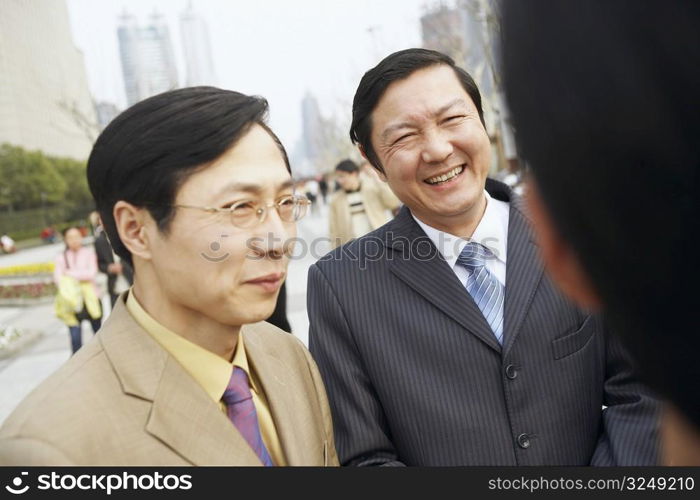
{"x":492,"y":232}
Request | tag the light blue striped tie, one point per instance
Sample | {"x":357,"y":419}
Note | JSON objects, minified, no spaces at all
{"x":488,"y":293}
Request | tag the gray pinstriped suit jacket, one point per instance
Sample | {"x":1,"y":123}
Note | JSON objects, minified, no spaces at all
{"x":415,"y":375}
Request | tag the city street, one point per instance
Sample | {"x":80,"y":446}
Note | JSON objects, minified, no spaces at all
{"x":21,"y":373}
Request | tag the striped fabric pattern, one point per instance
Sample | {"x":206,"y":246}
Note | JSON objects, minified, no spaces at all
{"x":488,"y":293}
{"x":241,"y":411}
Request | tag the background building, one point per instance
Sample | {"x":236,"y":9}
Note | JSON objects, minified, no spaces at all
{"x":148,"y":62}
{"x":45,"y":103}
{"x":197,"y":49}
{"x":106,"y":112}
{"x":468,"y":31}
{"x":312,"y":127}
{"x":444,"y":29}
{"x":458,"y":32}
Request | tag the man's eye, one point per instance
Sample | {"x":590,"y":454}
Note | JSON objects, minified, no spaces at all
{"x":287,"y":202}
{"x":453,"y":118}
{"x":404,"y":137}
{"x":243,"y":207}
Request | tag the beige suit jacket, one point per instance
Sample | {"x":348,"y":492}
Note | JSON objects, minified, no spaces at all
{"x":378,"y":200}
{"x":123,"y":400}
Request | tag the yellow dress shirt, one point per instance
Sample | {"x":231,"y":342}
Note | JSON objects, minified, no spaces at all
{"x":211,"y":371}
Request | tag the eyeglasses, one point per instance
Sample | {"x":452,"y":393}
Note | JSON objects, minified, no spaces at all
{"x":248,"y":214}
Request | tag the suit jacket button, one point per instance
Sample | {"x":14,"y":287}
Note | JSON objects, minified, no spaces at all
{"x":524,"y":441}
{"x":511,"y":372}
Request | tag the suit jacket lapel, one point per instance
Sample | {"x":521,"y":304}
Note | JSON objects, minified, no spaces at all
{"x":524,"y":272}
{"x":427,"y":272}
{"x":182,"y":415}
{"x":187,"y":420}
{"x":273,"y":375}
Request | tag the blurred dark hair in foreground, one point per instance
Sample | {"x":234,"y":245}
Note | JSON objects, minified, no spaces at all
{"x":605,"y":99}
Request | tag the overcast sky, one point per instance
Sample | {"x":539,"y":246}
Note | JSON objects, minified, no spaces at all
{"x":275,"y":48}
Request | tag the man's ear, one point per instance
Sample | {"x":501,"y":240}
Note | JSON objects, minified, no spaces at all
{"x":559,"y":257}
{"x":380,"y":173}
{"x":132,"y":225}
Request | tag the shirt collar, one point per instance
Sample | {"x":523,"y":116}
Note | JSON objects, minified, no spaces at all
{"x":492,"y":232}
{"x":209,"y":370}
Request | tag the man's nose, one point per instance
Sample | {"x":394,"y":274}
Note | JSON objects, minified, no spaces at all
{"x":275,"y":234}
{"x":436,"y":146}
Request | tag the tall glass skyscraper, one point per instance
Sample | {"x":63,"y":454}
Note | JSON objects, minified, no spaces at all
{"x":197,"y":49}
{"x":148,"y":62}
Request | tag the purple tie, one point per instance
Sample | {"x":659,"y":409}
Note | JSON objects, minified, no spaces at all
{"x":241,"y":411}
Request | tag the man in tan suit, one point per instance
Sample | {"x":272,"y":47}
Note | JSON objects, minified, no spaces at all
{"x":195,"y":190}
{"x":361,"y":205}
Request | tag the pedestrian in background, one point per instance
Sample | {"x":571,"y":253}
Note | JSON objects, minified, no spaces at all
{"x":48,"y":234}
{"x":7,"y":244}
{"x":323,"y":187}
{"x":120,"y":275}
{"x":75,"y":270}
{"x":311,"y":190}
{"x":361,"y":205}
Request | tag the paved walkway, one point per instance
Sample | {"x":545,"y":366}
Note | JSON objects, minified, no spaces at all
{"x":21,"y":373}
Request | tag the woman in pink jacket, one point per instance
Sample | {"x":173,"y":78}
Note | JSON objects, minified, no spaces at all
{"x":78,"y":262}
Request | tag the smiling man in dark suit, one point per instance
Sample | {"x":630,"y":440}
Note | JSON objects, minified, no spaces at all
{"x":439,"y":337}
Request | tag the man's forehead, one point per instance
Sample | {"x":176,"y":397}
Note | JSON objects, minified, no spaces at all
{"x":430,"y":80}
{"x":224,"y":187}
{"x":432,"y":107}
{"x":235,"y":186}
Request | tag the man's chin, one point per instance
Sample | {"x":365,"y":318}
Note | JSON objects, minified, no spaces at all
{"x":239,"y":314}
{"x":256,"y":313}
{"x":453,"y":211}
